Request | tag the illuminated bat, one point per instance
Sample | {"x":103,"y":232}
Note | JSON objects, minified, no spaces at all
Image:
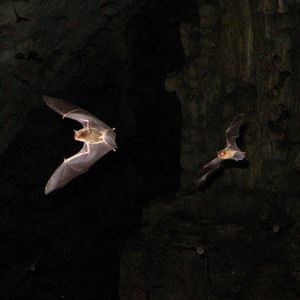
{"x":98,"y":139}
{"x":231,"y":151}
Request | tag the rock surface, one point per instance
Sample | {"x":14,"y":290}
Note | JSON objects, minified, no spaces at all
{"x":237,"y":238}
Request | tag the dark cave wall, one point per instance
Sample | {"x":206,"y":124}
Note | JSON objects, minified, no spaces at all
{"x":239,"y":237}
{"x":56,"y":51}
{"x":77,"y":52}
{"x":93,"y":54}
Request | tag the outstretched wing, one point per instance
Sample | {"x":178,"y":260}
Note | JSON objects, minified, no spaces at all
{"x":76,"y":165}
{"x":233,"y":132}
{"x":208,"y":169}
{"x":71,"y":111}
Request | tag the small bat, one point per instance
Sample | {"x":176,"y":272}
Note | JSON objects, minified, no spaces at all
{"x":20,"y":18}
{"x":98,"y":140}
{"x":231,"y":151}
{"x":32,"y":55}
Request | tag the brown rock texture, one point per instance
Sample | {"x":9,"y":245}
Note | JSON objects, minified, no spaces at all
{"x":239,"y":237}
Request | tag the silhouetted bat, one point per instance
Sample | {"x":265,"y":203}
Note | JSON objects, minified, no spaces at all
{"x":231,"y":151}
{"x":32,"y":55}
{"x":19,"y":18}
{"x":98,"y":139}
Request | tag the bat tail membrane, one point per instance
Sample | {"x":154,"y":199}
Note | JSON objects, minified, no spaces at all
{"x":239,"y":155}
{"x":110,"y":138}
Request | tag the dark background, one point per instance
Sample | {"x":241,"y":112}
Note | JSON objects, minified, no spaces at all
{"x":170,"y":76}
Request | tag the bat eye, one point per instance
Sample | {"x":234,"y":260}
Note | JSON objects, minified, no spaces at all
{"x":222,"y":153}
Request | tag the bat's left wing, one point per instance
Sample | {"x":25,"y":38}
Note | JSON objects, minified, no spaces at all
{"x":208,"y":169}
{"x":233,"y":132}
{"x":71,"y":111}
{"x":76,"y":165}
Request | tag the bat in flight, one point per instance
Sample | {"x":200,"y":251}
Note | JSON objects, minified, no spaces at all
{"x":20,"y":18}
{"x":231,"y":151}
{"x":98,"y":139}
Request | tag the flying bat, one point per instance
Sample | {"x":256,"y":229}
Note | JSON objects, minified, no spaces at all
{"x":231,"y":151}
{"x":98,"y":139}
{"x":32,"y":55}
{"x":20,"y":18}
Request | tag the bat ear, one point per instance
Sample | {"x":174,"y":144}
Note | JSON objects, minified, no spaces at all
{"x":76,"y":133}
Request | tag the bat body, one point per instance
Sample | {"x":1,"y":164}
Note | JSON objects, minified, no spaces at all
{"x":231,"y":151}
{"x":98,"y":139}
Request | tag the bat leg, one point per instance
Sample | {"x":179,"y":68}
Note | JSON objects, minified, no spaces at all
{"x":239,"y":156}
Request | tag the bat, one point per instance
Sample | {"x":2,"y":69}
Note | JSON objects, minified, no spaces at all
{"x":98,"y":139}
{"x":201,"y":250}
{"x":32,"y":55}
{"x":20,"y":18}
{"x":231,"y":151}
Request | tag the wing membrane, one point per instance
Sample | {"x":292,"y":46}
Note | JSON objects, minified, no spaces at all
{"x":71,"y":111}
{"x":233,"y":132}
{"x":208,"y":169}
{"x":76,"y":165}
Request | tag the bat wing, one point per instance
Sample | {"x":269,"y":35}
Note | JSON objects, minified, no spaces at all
{"x":233,"y":132}
{"x":208,"y":169}
{"x":76,"y":165}
{"x":71,"y":111}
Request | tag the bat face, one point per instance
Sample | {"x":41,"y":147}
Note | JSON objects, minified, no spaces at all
{"x":225,"y":154}
{"x":228,"y":153}
{"x":98,"y":139}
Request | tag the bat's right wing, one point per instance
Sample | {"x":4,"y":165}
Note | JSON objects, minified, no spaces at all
{"x":71,"y":111}
{"x":76,"y":165}
{"x":233,"y":132}
{"x":208,"y":169}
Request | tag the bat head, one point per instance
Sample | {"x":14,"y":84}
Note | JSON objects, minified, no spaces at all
{"x":79,"y":135}
{"x":225,"y":154}
{"x":222,"y":154}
